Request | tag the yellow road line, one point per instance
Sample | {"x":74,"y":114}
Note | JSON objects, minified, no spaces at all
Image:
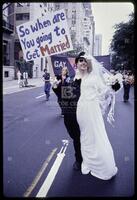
{"x":41,"y":171}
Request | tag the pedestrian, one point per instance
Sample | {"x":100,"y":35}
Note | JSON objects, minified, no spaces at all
{"x":96,"y":150}
{"x":127,"y":81}
{"x":59,"y":84}
{"x":70,"y":105}
{"x":25,"y":78}
{"x":19,"y":77}
{"x":47,"y":84}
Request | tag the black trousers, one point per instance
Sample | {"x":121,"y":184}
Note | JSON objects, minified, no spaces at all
{"x":72,"y":127}
{"x":126,"y":91}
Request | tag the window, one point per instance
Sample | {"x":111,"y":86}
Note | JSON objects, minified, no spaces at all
{"x":57,"y":7}
{"x":6,"y":53}
{"x":18,"y":17}
{"x":26,"y":16}
{"x":73,"y":22}
{"x":6,"y":74}
{"x":22,"y":16}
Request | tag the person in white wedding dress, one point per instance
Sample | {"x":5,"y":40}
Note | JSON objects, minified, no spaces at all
{"x":97,"y":152}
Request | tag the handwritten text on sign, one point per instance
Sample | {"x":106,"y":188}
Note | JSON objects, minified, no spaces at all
{"x":46,"y":36}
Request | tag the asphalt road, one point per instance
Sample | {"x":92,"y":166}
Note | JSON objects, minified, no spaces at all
{"x":33,"y":131}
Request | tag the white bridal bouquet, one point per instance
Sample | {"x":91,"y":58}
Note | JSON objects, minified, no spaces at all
{"x":114,"y":83}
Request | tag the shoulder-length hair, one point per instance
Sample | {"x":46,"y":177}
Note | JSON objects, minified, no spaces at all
{"x":67,"y":71}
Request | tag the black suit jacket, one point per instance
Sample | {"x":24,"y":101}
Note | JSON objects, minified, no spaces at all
{"x":69,"y":95}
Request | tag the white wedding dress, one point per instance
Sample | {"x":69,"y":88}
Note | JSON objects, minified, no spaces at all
{"x":97,"y":152}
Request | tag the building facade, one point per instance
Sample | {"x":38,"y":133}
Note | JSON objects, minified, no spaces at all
{"x":80,"y":22}
{"x":21,"y":16}
{"x":98,"y":45}
{"x":81,"y":25}
{"x":8,"y":41}
{"x":24,"y":13}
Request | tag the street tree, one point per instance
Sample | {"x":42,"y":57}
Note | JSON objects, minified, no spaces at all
{"x":122,"y":45}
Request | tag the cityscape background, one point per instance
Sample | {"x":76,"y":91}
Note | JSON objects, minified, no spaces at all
{"x":106,"y":15}
{"x":90,"y":26}
{"x":33,"y":128}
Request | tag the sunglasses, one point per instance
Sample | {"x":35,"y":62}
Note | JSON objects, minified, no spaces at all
{"x":82,"y":60}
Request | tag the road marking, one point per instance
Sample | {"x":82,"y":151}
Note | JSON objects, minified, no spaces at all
{"x":37,"y":178}
{"x":17,"y":90}
{"x":40,"y":96}
{"x":51,"y":176}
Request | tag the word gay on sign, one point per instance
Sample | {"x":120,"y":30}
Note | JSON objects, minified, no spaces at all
{"x":45,"y":36}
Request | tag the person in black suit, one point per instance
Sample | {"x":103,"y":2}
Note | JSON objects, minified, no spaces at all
{"x":68,"y":97}
{"x":61,"y":82}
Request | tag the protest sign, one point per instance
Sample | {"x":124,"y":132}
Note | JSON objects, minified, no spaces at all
{"x":59,"y":61}
{"x":45,"y":36}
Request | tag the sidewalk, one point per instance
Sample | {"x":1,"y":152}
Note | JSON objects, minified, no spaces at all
{"x":12,"y":85}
